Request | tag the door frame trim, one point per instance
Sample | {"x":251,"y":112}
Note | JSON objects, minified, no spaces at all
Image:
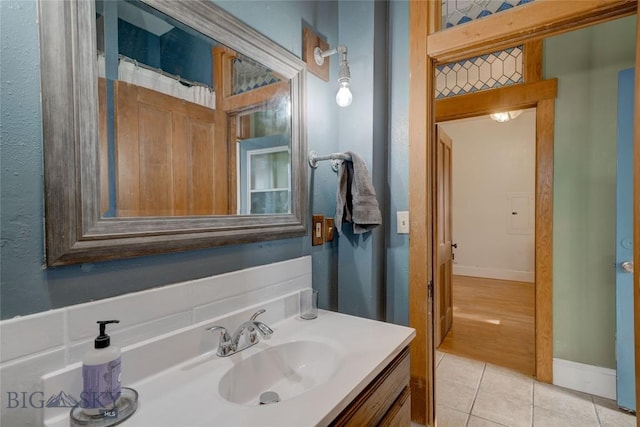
{"x":540,"y":95}
{"x":536,"y":20}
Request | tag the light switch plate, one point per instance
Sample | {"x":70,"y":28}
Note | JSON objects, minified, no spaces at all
{"x":317,"y":230}
{"x":403,"y":222}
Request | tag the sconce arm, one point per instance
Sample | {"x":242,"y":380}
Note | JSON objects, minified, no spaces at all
{"x":319,"y":54}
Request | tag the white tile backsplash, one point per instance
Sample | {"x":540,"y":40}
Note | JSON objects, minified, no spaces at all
{"x":22,"y":390}
{"x":26,"y":335}
{"x":130,"y":309}
{"x":158,"y":328}
{"x":241,"y":282}
{"x":236,"y":302}
{"x":132,"y":335}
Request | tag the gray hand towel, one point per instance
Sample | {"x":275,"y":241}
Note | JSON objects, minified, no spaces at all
{"x":355,"y":197}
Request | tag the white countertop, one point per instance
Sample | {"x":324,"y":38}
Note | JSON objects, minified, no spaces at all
{"x":187,"y":395}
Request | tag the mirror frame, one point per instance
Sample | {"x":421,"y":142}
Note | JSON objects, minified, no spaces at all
{"x":75,"y":232}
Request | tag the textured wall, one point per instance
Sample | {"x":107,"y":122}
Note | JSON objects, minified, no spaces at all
{"x":586,"y":63}
{"x":363,"y":129}
{"x":28,"y":288}
{"x":397,"y":274}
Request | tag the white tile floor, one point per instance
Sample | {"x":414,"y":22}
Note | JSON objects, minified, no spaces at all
{"x":476,"y":394}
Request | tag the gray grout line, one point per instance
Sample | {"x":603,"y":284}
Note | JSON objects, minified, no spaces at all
{"x":484,"y":367}
{"x":533,"y":401}
{"x":593,"y":402}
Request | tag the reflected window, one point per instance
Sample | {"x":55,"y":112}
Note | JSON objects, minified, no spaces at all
{"x":269,"y":181}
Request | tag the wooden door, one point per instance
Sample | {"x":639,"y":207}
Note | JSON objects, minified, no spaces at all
{"x":167,"y":159}
{"x":443,"y":262}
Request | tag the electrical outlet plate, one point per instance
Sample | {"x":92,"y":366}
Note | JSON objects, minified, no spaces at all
{"x":317,"y":230}
{"x":328,"y":229}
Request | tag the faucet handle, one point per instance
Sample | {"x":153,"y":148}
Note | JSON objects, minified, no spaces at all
{"x":225,"y":345}
{"x":257,"y":313}
{"x":224,"y":333}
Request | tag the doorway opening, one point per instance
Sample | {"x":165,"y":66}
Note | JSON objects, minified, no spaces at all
{"x":492,"y":287}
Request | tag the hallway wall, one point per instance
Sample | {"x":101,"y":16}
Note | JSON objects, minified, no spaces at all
{"x":586,"y":63}
{"x":493,"y":173}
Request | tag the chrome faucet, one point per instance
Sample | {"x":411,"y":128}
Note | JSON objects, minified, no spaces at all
{"x":250,"y":329}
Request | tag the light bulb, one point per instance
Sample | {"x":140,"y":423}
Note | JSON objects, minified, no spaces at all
{"x":500,"y":117}
{"x":344,"y":97}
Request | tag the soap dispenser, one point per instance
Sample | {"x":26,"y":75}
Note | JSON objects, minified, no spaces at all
{"x":101,"y":374}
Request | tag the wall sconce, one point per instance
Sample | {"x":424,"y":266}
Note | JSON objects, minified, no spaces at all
{"x":344,"y":96}
{"x":506,"y":116}
{"x":316,"y":52}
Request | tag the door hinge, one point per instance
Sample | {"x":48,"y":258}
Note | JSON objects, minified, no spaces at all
{"x":430,"y":288}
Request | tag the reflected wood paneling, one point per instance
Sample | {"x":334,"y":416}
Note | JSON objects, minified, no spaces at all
{"x":165,"y":156}
{"x":493,"y":321}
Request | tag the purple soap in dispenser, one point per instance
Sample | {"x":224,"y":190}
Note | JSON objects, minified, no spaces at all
{"x":101,"y":374}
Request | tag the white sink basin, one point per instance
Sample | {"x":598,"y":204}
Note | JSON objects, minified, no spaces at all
{"x":289,"y":369}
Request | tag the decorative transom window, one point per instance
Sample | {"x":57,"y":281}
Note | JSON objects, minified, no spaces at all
{"x":497,"y":69}
{"x":456,"y":12}
{"x":249,"y":75}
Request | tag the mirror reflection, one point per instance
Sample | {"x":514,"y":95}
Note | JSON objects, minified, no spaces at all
{"x":187,"y":126}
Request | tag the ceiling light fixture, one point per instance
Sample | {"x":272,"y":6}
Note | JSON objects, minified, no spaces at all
{"x":505,"y":116}
{"x":344,"y":96}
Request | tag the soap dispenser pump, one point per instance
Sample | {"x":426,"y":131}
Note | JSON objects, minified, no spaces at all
{"x":101,"y":374}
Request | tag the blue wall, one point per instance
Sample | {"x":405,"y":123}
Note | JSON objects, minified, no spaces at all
{"x":363,"y":130}
{"x":397,"y":245}
{"x":139,"y":44}
{"x":372,"y":270}
{"x":186,"y":56}
{"x":26,"y":287}
{"x":176,"y":52}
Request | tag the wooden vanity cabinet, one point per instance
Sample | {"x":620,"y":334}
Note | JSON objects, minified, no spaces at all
{"x":386,"y":401}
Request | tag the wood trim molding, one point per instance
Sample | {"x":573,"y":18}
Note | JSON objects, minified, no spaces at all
{"x":532,"y":61}
{"x":517,"y":96}
{"x":311,"y":40}
{"x":542,"y":96}
{"x":636,"y":215}
{"x":255,"y":97}
{"x":532,"y":21}
{"x":420,"y":261}
{"x":545,"y":113}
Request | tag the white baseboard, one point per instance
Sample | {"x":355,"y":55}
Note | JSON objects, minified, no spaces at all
{"x":494,"y":273}
{"x":585,"y":378}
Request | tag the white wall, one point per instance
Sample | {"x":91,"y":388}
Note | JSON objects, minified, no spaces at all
{"x":493,"y":162}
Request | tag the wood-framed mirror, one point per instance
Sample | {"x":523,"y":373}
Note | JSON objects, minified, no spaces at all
{"x":145,"y":152}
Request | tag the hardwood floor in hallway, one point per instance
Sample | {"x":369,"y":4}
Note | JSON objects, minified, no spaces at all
{"x":493,"y":321}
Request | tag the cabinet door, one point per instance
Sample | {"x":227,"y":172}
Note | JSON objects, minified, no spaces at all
{"x":371,"y":406}
{"x":400,"y":413}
